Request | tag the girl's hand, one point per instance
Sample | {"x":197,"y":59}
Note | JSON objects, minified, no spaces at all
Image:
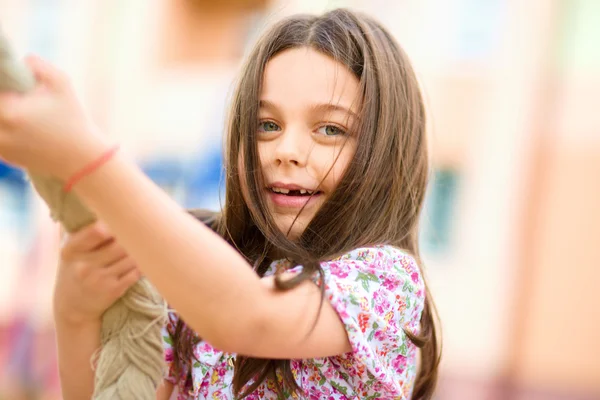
{"x":94,"y":272}
{"x":47,"y":129}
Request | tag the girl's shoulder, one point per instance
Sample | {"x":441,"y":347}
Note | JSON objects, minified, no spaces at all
{"x":377,"y":253}
{"x":376,"y":268}
{"x":382,"y":258}
{"x":365,"y":262}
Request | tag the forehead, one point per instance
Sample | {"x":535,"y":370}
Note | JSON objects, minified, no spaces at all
{"x":302,"y":76}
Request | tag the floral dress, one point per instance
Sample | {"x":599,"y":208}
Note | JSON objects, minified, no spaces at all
{"x":378,"y":292}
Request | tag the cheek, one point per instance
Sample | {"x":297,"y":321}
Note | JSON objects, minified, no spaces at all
{"x":242,"y":171}
{"x":338,"y":162}
{"x":263,"y":149}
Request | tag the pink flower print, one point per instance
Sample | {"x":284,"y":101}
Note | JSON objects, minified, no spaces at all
{"x":371,"y":269}
{"x":343,"y":314}
{"x":169,"y":355}
{"x":380,"y":309}
{"x":399,"y":363}
{"x":222,"y":370}
{"x":329,"y":372}
{"x":382,"y":304}
{"x":415,"y":277}
{"x":391,"y":283}
{"x":338,"y":269}
{"x":379,"y":335}
{"x":326,"y":390}
{"x":205,"y":348}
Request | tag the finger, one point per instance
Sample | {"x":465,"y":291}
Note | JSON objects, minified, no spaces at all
{"x":121,"y":268}
{"x":85,"y":240}
{"x":128,"y":280}
{"x":107,"y":254}
{"x":46,"y":73}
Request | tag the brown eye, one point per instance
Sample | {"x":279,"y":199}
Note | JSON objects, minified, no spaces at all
{"x":268,"y":126}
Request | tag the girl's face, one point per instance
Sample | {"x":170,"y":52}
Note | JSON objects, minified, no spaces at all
{"x":308,"y":103}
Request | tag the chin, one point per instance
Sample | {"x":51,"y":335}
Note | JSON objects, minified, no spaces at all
{"x":295,"y":232}
{"x":291,"y":235}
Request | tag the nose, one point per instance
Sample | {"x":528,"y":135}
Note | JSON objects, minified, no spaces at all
{"x":291,"y":147}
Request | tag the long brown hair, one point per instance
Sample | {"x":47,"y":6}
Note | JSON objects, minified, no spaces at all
{"x":382,"y":189}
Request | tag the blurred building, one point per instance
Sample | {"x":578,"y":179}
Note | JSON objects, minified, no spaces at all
{"x":512,"y":222}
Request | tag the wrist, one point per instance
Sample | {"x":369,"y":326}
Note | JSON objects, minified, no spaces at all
{"x":90,"y":168}
{"x":85,"y":152}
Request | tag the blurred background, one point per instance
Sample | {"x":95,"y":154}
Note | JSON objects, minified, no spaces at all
{"x":511,"y":230}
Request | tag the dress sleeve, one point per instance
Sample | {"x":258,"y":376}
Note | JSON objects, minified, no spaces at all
{"x":378,"y":293}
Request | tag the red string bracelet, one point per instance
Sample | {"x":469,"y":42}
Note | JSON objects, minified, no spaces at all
{"x":91,"y":167}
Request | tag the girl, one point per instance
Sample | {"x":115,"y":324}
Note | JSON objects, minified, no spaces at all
{"x":307,"y":284}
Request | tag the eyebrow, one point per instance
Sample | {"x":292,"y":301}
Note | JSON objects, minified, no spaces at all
{"x":323,"y":107}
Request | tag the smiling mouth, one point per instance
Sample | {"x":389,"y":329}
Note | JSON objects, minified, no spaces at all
{"x":295,"y":192}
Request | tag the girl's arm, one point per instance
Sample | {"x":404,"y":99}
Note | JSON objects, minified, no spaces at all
{"x":76,"y":343}
{"x":207,"y":281}
{"x":164,"y":391}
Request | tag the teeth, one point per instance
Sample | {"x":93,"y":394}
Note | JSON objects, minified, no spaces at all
{"x":286,"y":191}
